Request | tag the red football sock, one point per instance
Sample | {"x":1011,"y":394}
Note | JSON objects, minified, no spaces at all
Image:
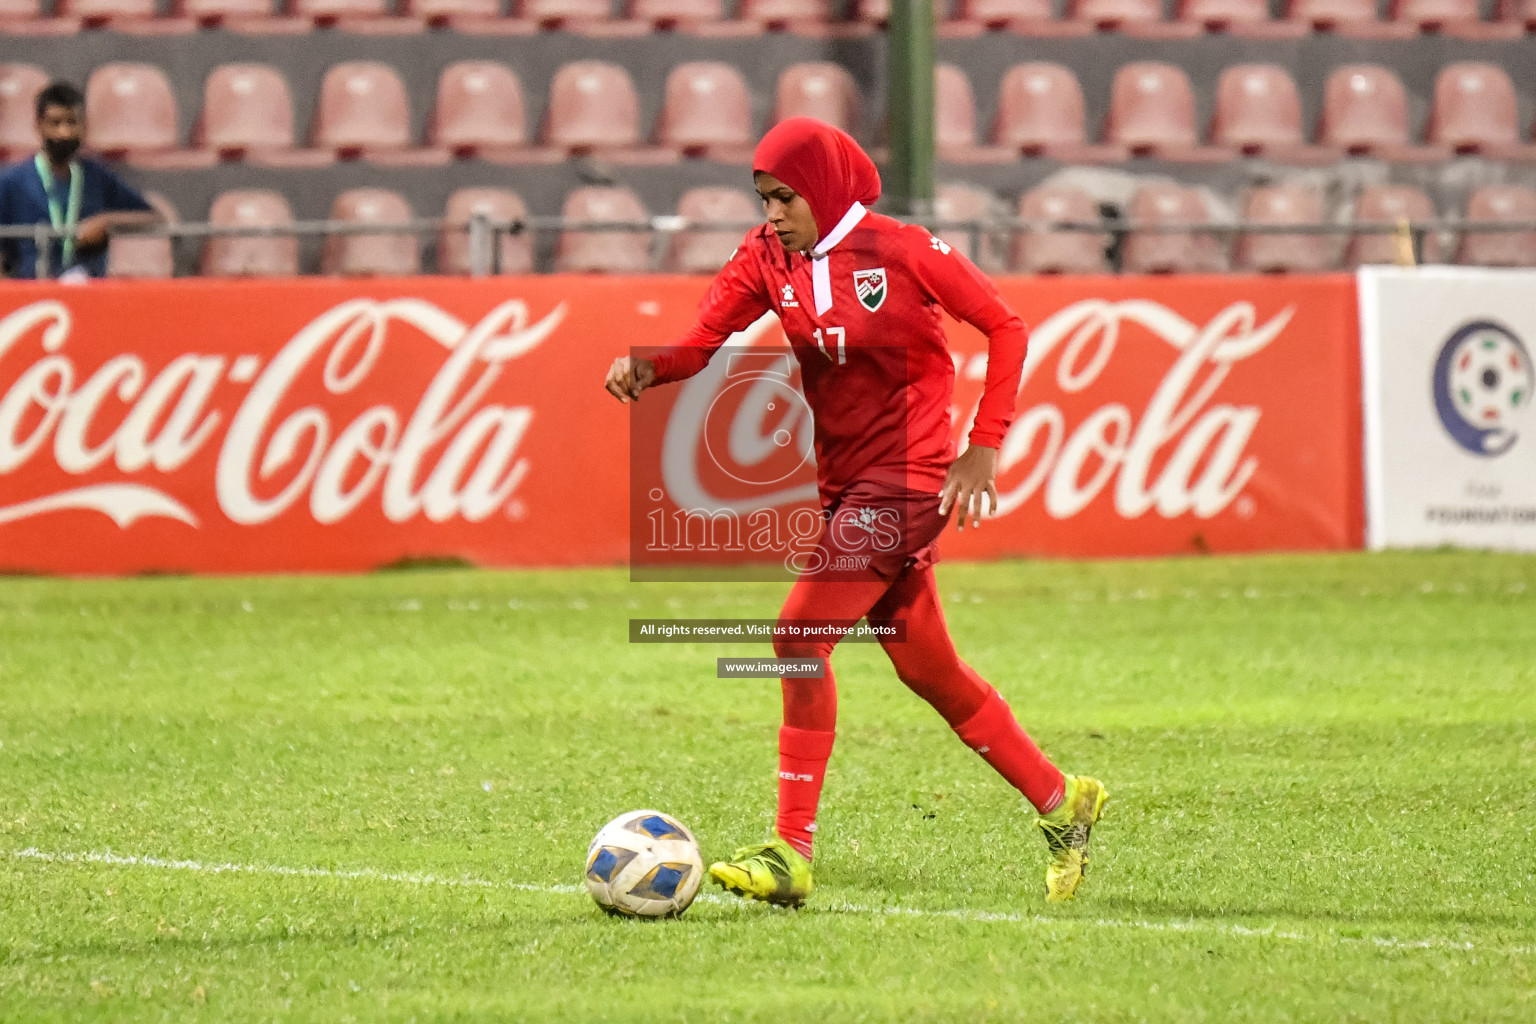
{"x":803,"y":755}
{"x":994,"y":733}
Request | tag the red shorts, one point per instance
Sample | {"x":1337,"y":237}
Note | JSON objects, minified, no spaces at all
{"x":879,"y":528}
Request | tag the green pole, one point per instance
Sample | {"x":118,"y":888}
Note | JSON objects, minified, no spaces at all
{"x":909,"y":180}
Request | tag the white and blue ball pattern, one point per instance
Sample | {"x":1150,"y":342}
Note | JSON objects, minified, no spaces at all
{"x":644,"y":864}
{"x":1483,"y":381}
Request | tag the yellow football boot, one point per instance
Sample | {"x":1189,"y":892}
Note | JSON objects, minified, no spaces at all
{"x":773,"y":871}
{"x":1066,"y":833}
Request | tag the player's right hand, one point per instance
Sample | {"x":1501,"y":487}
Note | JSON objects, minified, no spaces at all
{"x":628,"y":377}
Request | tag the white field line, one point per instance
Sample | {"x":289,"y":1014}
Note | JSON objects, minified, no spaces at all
{"x":842,"y":906}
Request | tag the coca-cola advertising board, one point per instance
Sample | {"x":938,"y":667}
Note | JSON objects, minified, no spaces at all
{"x":1449,"y":432}
{"x":325,"y":425}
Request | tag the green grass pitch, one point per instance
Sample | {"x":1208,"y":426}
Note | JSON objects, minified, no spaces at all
{"x":368,"y":798}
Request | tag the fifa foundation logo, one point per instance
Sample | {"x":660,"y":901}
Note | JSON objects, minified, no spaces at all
{"x":1482,"y":387}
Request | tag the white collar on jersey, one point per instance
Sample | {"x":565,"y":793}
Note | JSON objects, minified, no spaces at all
{"x":821,"y":269}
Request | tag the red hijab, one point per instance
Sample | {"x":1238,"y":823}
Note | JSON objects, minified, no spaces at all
{"x":821,"y":163}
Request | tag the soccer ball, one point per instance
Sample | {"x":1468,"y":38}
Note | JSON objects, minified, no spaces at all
{"x":644,"y":864}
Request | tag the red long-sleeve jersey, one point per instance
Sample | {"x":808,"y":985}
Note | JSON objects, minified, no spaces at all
{"x":875,"y":366}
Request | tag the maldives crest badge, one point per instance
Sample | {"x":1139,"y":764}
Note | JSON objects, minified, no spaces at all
{"x":870,"y":287}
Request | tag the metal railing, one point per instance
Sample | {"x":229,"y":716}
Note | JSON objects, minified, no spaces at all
{"x":485,"y":234}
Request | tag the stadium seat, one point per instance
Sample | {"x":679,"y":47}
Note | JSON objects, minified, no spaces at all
{"x":275,"y":256}
{"x":1258,"y":110}
{"x":965,"y":203}
{"x":1365,"y":111}
{"x":954,"y":113}
{"x":362,"y":108}
{"x":95,"y":13}
{"x":213,"y":13}
{"x":145,"y":258}
{"x":131,"y":113}
{"x":603,"y":252}
{"x":1386,"y":204}
{"x":1330,"y":15}
{"x":1154,"y":252}
{"x":592,"y":106}
{"x":706,"y":110}
{"x":1000,"y":14}
{"x":552,"y":14}
{"x":499,"y":204}
{"x":447,"y":12}
{"x":19,"y":86}
{"x":782,"y":14}
{"x":1152,"y":110}
{"x":329,"y":12}
{"x":1039,"y":110}
{"x":1221,"y":15}
{"x":479,"y":107}
{"x":1277,"y":253}
{"x":1475,"y":110}
{"x":669,"y":14}
{"x":704,"y":252}
{"x":821,"y":90}
{"x":20,"y":13}
{"x":1059,"y":252}
{"x":246,"y":108}
{"x":1500,"y":248}
{"x":1115,"y":14}
{"x":384,"y":255}
{"x":1434,"y":15}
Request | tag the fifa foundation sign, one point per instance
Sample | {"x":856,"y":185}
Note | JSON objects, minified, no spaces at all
{"x":1450,"y":438}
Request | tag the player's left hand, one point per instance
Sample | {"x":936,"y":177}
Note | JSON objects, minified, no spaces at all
{"x":971,"y":477}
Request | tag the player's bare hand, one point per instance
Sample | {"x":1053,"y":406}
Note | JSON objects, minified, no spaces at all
{"x":628,"y":377}
{"x":972,"y":477}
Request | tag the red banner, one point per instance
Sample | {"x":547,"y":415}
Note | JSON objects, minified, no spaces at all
{"x":318,"y":425}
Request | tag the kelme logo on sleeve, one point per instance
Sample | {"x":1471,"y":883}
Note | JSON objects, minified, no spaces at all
{"x":869,"y":285}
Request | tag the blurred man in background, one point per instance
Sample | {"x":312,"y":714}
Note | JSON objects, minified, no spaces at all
{"x":79,"y":197}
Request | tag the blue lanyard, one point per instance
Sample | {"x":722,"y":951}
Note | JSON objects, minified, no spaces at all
{"x":67,"y":219}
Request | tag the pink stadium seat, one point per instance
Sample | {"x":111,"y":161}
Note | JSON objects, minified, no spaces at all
{"x":1365,"y":111}
{"x":1433,"y":15}
{"x":500,"y":205}
{"x":385,"y":255}
{"x":1039,"y":109}
{"x":996,"y":14}
{"x":1502,"y":248}
{"x":137,"y":257}
{"x":101,"y":12}
{"x":1327,"y":15}
{"x":19,"y":86}
{"x":1300,"y":253}
{"x":362,"y":108}
{"x":1386,"y":204}
{"x":821,"y":90}
{"x":1519,"y":12}
{"x":675,"y":13}
{"x":130,"y":109}
{"x":218,"y":12}
{"x":1151,"y":109}
{"x":1114,"y":14}
{"x":704,"y":252}
{"x":246,"y":108}
{"x":1218,"y":15}
{"x":274,"y":256}
{"x":964,"y":203}
{"x":706,"y":108}
{"x":1258,"y":109}
{"x":954,"y":112}
{"x":19,"y":12}
{"x":444,"y":12}
{"x":603,"y":252}
{"x":479,"y":107}
{"x":592,"y":105}
{"x":328,"y":12}
{"x":1153,"y":252}
{"x":562,"y":13}
{"x":1059,"y":252}
{"x":780,"y":14}
{"x":1475,"y":109}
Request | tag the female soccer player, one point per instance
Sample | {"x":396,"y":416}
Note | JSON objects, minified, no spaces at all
{"x":859,"y":296}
